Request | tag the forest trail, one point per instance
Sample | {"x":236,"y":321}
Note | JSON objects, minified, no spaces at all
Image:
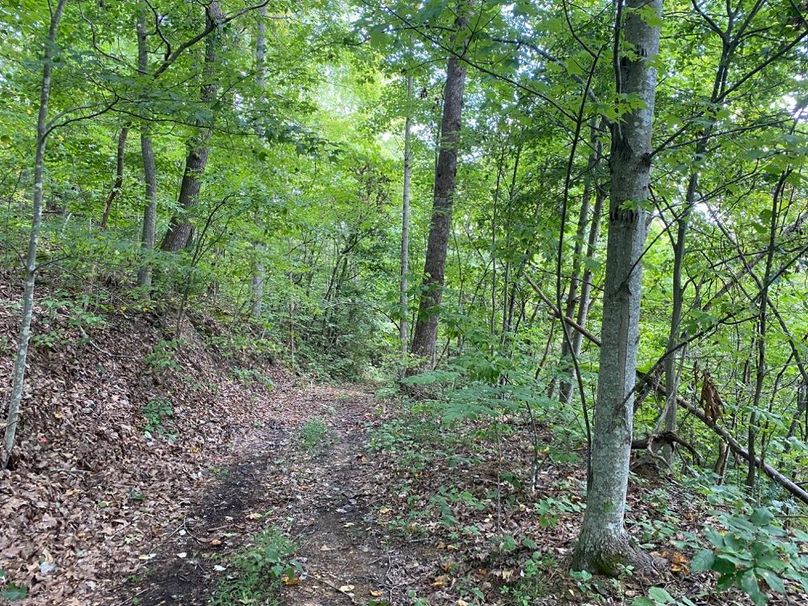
{"x":319,"y":494}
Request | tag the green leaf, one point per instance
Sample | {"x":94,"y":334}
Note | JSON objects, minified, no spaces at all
{"x":13,"y":593}
{"x":772,"y":580}
{"x":723,"y":565}
{"x":660,"y":595}
{"x":642,"y":601}
{"x":702,"y":561}
{"x":715,"y":538}
{"x":762,"y":516}
{"x":749,"y":584}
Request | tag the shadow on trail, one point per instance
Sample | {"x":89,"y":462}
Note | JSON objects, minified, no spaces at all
{"x":183,"y":570}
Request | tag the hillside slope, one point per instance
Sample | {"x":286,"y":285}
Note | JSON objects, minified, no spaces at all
{"x":119,"y":431}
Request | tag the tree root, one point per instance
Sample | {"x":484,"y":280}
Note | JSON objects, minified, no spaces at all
{"x":611,"y":555}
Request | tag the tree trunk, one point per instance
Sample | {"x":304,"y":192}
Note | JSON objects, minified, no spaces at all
{"x":760,"y":333}
{"x":603,"y":545}
{"x":13,"y":415}
{"x":426,"y":325}
{"x":180,"y":228}
{"x":257,"y":285}
{"x":667,"y":420}
{"x":258,"y":267}
{"x":118,"y":184}
{"x":574,"y":300}
{"x":403,"y":301}
{"x":149,"y":233}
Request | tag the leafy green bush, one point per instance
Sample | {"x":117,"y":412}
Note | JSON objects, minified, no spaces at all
{"x":159,"y":415}
{"x":250,"y":375}
{"x":657,"y":596}
{"x":9,"y":591}
{"x":163,"y":356}
{"x":754,"y":554}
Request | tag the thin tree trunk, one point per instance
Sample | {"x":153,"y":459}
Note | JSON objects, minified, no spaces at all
{"x":258,"y":268}
{"x":18,"y":384}
{"x":257,"y":284}
{"x":603,"y":545}
{"x":180,"y":228}
{"x":802,"y":408}
{"x":588,"y":279}
{"x":403,"y":300}
{"x":149,"y":232}
{"x":760,"y":335}
{"x":426,"y":325}
{"x":574,"y":300}
{"x":667,"y":419}
{"x":117,"y":186}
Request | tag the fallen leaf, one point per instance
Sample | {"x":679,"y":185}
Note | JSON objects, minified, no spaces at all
{"x":440,"y":581}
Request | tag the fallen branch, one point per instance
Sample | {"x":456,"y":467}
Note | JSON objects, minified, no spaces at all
{"x":669,"y":437}
{"x":733,"y":444}
{"x":791,"y":486}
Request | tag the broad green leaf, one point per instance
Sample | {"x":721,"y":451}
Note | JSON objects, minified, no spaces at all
{"x":772,"y":580}
{"x":702,"y":561}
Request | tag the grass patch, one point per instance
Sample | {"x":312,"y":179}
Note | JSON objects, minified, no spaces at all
{"x":313,"y":434}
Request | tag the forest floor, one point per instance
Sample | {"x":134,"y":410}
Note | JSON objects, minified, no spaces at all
{"x":149,"y":474}
{"x":316,"y":486}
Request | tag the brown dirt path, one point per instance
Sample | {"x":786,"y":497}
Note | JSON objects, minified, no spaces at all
{"x":323,"y":500}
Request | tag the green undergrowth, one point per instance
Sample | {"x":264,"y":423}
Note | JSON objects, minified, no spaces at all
{"x":313,"y":435}
{"x":257,"y":574}
{"x":465,"y":479}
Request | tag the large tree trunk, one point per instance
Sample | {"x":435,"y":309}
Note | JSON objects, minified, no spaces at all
{"x":117,"y":186}
{"x":180,"y":228}
{"x":603,"y":545}
{"x":405,"y":228}
{"x":149,"y":233}
{"x":426,"y":325}
{"x":13,"y":415}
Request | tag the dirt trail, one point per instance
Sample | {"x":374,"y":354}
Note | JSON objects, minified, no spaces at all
{"x":323,"y":499}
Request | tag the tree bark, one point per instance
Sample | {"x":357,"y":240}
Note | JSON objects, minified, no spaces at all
{"x":258,"y":267}
{"x":149,"y":232}
{"x":403,"y":300}
{"x":18,"y":383}
{"x":426,"y":325}
{"x":117,"y":186}
{"x":180,"y":227}
{"x":603,"y":545}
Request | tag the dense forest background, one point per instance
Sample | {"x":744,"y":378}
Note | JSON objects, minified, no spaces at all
{"x":552,"y":237}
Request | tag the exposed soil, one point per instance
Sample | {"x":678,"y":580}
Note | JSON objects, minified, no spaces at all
{"x":323,"y":498}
